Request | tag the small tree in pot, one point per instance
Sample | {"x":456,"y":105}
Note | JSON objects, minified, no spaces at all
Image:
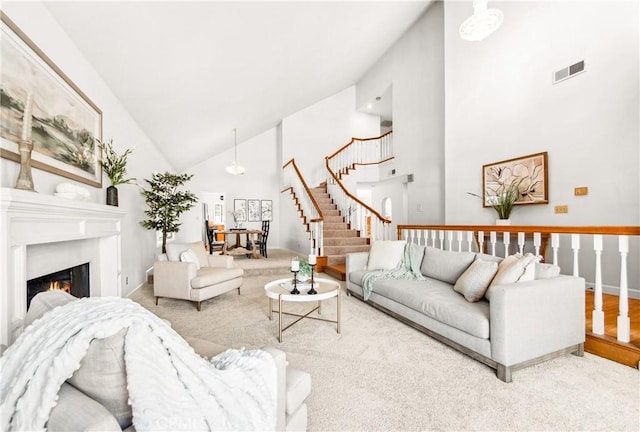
{"x":166,"y":203}
{"x":115,"y":167}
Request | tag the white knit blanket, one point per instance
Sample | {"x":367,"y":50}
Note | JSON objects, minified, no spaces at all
{"x":170,"y":386}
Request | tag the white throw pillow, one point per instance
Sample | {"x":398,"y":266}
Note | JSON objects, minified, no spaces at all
{"x":514,"y":268}
{"x":475,"y":280}
{"x":385,"y":254}
{"x":190,"y":256}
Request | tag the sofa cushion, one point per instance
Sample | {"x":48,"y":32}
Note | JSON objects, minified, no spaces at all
{"x":298,"y":388}
{"x":439,"y":301}
{"x":175,"y":249}
{"x":514,"y":268}
{"x":446,"y":266}
{"x":102,"y":376}
{"x":190,"y":256}
{"x":356,"y":276}
{"x":385,"y":254}
{"x":546,"y":271}
{"x":473,"y":283}
{"x":201,"y":253}
{"x":75,"y":411}
{"x":208,"y":276}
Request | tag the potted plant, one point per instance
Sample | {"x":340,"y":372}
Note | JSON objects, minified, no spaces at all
{"x":502,"y":200}
{"x":115,"y":166}
{"x":166,"y":203}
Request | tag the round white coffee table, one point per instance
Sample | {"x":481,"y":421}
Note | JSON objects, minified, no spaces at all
{"x":280,"y":290}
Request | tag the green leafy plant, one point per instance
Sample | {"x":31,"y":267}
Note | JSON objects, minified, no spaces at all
{"x":166,"y":203}
{"x":503,"y":199}
{"x":113,"y":164}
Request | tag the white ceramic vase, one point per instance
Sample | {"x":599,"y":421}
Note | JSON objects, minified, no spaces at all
{"x":503,"y":221}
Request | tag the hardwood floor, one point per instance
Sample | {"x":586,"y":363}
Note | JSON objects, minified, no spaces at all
{"x":607,"y":345}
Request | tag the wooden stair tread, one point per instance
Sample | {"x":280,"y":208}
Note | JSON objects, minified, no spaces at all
{"x":337,"y":271}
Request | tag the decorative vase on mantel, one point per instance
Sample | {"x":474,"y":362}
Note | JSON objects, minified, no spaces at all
{"x":112,"y":196}
{"x":503,"y":221}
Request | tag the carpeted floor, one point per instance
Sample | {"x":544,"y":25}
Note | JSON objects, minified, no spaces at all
{"x":381,"y":375}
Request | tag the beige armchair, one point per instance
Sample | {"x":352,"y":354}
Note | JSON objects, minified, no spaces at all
{"x":188,"y":272}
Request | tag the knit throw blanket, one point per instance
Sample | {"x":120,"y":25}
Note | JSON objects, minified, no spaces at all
{"x":168,"y":383}
{"x":408,"y":268}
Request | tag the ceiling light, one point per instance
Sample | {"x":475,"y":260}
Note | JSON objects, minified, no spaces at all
{"x":369,"y":106}
{"x":234,"y":168}
{"x":482,"y":23}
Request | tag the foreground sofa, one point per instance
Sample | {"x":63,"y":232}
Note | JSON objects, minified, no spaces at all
{"x":509,"y":326}
{"x":95,"y":398}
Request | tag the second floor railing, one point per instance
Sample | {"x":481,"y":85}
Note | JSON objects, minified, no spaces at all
{"x":600,"y":254}
{"x":359,"y":215}
{"x":309,"y":208}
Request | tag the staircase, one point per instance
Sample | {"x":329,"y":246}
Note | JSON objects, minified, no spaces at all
{"x":339,"y":239}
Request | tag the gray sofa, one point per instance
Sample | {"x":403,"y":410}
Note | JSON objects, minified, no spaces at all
{"x":99,"y":386}
{"x":522,"y":323}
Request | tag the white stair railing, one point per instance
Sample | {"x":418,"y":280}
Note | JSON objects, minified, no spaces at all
{"x":577,"y":261}
{"x":359,"y":151}
{"x":307,"y":205}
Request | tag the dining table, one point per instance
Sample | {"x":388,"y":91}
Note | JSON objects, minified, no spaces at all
{"x":236,"y":247}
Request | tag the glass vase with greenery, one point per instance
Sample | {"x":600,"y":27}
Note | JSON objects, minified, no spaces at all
{"x":115,"y":167}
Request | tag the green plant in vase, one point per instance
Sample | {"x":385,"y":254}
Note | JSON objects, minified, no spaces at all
{"x":115,"y":167}
{"x":503,"y":199}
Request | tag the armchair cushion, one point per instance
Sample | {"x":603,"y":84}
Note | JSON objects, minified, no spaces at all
{"x":190,"y":256}
{"x":208,"y":276}
{"x":200,"y":252}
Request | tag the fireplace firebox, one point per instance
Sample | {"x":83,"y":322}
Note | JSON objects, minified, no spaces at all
{"x":74,"y":280}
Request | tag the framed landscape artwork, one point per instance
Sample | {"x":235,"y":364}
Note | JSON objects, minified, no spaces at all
{"x":267,"y":210}
{"x":240,"y":210}
{"x":528,"y":172}
{"x":39,"y":103}
{"x":253,"y":207}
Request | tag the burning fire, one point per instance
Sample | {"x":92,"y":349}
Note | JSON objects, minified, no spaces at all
{"x":55,"y":285}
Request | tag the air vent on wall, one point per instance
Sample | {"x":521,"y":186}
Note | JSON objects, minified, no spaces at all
{"x":568,"y":72}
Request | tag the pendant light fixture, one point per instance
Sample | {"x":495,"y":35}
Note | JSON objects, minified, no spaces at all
{"x":234,"y":168}
{"x":482,"y":23}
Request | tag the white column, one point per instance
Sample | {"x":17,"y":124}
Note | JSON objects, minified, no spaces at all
{"x":597,"y":316}
{"x":555,"y":244}
{"x":624,"y":324}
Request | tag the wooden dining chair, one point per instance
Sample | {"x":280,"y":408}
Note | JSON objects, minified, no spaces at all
{"x":211,"y":239}
{"x":261,"y":243}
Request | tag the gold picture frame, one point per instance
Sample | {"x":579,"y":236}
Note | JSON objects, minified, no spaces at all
{"x":529,"y":172}
{"x":65,"y":123}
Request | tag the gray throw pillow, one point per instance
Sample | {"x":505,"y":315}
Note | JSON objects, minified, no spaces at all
{"x":446,"y":266}
{"x":473,"y":283}
{"x":546,"y":271}
{"x":102,"y":376}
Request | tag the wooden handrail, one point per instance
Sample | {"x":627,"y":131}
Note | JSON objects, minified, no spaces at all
{"x":337,"y":180}
{"x":543,"y":229}
{"x":358,"y":139}
{"x":306,"y":188}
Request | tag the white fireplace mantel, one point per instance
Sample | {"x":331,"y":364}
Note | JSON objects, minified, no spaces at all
{"x":29,"y":219}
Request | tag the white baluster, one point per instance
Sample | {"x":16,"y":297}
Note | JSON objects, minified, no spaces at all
{"x":441,"y":238}
{"x":521,"y":243}
{"x":537,"y":242}
{"x":555,"y":244}
{"x":481,"y":241}
{"x":423,"y":235}
{"x":433,"y":238}
{"x":575,"y":245}
{"x":459,"y":237}
{"x":597,"y":316}
{"x":469,"y":240}
{"x":624,"y":323}
{"x":506,"y":240}
{"x":450,"y":239}
{"x":493,"y":241}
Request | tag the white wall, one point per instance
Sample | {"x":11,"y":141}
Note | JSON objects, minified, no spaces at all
{"x":261,"y":181}
{"x":414,"y":67}
{"x":138,"y":244}
{"x":501,"y":104}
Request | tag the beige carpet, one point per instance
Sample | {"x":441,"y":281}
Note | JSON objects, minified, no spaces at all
{"x":381,"y":375}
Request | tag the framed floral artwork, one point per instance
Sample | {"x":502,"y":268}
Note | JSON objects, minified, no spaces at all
{"x":267,"y":210}
{"x":529,"y":173}
{"x":253,"y":208}
{"x":39,"y":103}
{"x":240,"y":210}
